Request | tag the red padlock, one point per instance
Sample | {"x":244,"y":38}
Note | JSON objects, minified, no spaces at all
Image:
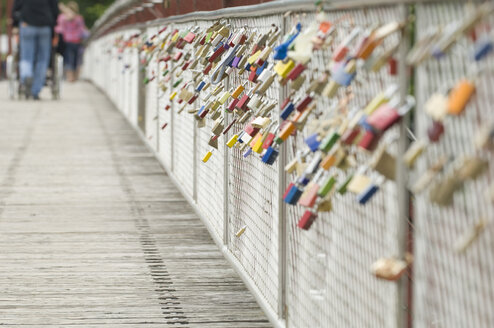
{"x":306,"y":220}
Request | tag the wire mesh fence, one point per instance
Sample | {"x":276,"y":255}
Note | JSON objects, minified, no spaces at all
{"x":322,"y":277}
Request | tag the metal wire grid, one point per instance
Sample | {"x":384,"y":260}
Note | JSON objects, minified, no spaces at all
{"x":183,"y":139}
{"x":451,"y":289}
{"x":210,"y":175}
{"x":329,"y":279}
{"x":152,"y":96}
{"x":165,"y":116}
{"x":253,"y":196}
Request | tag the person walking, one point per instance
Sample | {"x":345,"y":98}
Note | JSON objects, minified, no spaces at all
{"x":71,"y":27}
{"x":36,"y":20}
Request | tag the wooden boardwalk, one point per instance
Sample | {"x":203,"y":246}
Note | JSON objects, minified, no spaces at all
{"x":94,"y":234}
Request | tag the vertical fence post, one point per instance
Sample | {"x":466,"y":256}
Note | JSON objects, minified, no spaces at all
{"x":401,"y":170}
{"x":282,"y":226}
{"x":172,"y":115}
{"x":226,"y":173}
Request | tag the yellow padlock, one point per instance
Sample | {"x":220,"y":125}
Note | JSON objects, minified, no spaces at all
{"x":224,"y":97}
{"x":207,"y":156}
{"x":254,"y":57}
{"x":238,"y":91}
{"x":233,"y":140}
{"x":258,"y":145}
{"x":358,"y":183}
{"x":282,"y":69}
{"x":173,"y":95}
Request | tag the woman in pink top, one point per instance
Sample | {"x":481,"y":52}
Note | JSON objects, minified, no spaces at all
{"x":73,"y":30}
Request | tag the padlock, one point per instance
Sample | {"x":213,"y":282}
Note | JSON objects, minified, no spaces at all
{"x":435,"y":131}
{"x":309,"y":196}
{"x":269,"y":141}
{"x":313,"y":142}
{"x":292,"y":194}
{"x":241,"y":231}
{"x":384,"y":117}
{"x":287,"y":130}
{"x":443,"y":191}
{"x":238,"y":91}
{"x":266,"y":84}
{"x":344,"y":73}
{"x":297,"y":83}
{"x":358,"y":184}
{"x":413,"y":152}
{"x":233,"y":140}
{"x":270,"y":156}
{"x":483,"y":47}
{"x":218,"y":126}
{"x":367,"y":194}
{"x":380,"y":99}
{"x":207,"y":156}
{"x":261,"y":122}
{"x":257,"y":147}
{"x":484,"y":138}
{"x":291,"y":166}
{"x":341,"y":51}
{"x":247,"y":152}
{"x":224,"y":97}
{"x":287,"y":110}
{"x":469,"y":237}
{"x":390,"y":269}
{"x":342,"y":189}
{"x":459,"y":97}
{"x":350,"y":135}
{"x":425,"y":179}
{"x":437,"y":106}
{"x":326,"y":186}
{"x":243,"y":102}
{"x":296,"y":71}
{"x":303,"y":103}
{"x":384,"y":163}
{"x":283,"y":68}
{"x":306,"y":220}
{"x":471,"y":168}
{"x":329,"y":141}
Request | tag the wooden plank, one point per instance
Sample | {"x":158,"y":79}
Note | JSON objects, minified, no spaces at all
{"x":92,"y":231}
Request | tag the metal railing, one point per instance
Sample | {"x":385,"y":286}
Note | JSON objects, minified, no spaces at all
{"x":321,"y":277}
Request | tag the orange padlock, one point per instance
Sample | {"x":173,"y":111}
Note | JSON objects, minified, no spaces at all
{"x":328,"y":161}
{"x":287,"y":131}
{"x":459,"y":96}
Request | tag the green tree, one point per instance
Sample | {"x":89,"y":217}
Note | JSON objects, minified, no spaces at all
{"x":91,"y":10}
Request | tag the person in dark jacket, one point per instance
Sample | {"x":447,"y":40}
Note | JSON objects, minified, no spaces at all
{"x":36,"y":20}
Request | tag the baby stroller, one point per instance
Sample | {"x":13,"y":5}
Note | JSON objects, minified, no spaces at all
{"x":54,"y":75}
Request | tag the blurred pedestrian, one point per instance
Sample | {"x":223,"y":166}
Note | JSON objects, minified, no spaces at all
{"x":71,"y":27}
{"x":36,"y":20}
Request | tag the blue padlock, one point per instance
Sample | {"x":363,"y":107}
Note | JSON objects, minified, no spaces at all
{"x":261,"y":68}
{"x":247,"y":152}
{"x":341,"y":77}
{"x":364,"y":124}
{"x":482,"y":49}
{"x":247,"y":67}
{"x":200,"y":86}
{"x":201,"y":111}
{"x":303,"y":180}
{"x":285,"y":113}
{"x":270,"y":156}
{"x":313,"y":142}
{"x":293,"y":195}
{"x":367,"y":194}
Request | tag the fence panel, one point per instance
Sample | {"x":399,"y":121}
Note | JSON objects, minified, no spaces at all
{"x":151,"y":93}
{"x":210,"y":175}
{"x":329,"y":266}
{"x":253,"y":193}
{"x":453,"y":289}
